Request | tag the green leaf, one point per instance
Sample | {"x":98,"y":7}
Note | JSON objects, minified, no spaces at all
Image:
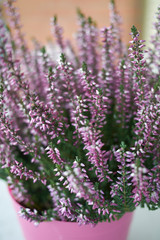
{"x":112,"y":2}
{"x":134,"y":31}
{"x":123,"y":145}
{"x":3,"y":173}
{"x":121,"y":88}
{"x":55,"y":19}
{"x":62,"y":58}
{"x":100,"y":91}
{"x":50,"y":70}
{"x":79,"y":13}
{"x":138,"y":162}
{"x":43,"y":50}
{"x":84,"y":67}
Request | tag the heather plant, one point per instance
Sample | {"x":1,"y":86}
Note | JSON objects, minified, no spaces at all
{"x":79,"y":129}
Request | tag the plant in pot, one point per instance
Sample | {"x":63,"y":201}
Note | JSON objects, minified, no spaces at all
{"x":79,"y":130}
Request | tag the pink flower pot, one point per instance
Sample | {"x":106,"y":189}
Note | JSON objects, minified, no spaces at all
{"x":57,"y":230}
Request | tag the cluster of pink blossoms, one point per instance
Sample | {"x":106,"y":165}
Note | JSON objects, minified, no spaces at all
{"x":80,"y":130}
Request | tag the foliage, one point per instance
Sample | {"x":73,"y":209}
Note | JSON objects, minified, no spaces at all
{"x":79,"y":136}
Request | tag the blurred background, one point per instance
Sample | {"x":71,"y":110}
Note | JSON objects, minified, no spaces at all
{"x":35,"y":17}
{"x":36,"y":14}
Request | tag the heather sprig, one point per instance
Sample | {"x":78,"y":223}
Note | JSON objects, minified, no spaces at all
{"x":79,"y":128}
